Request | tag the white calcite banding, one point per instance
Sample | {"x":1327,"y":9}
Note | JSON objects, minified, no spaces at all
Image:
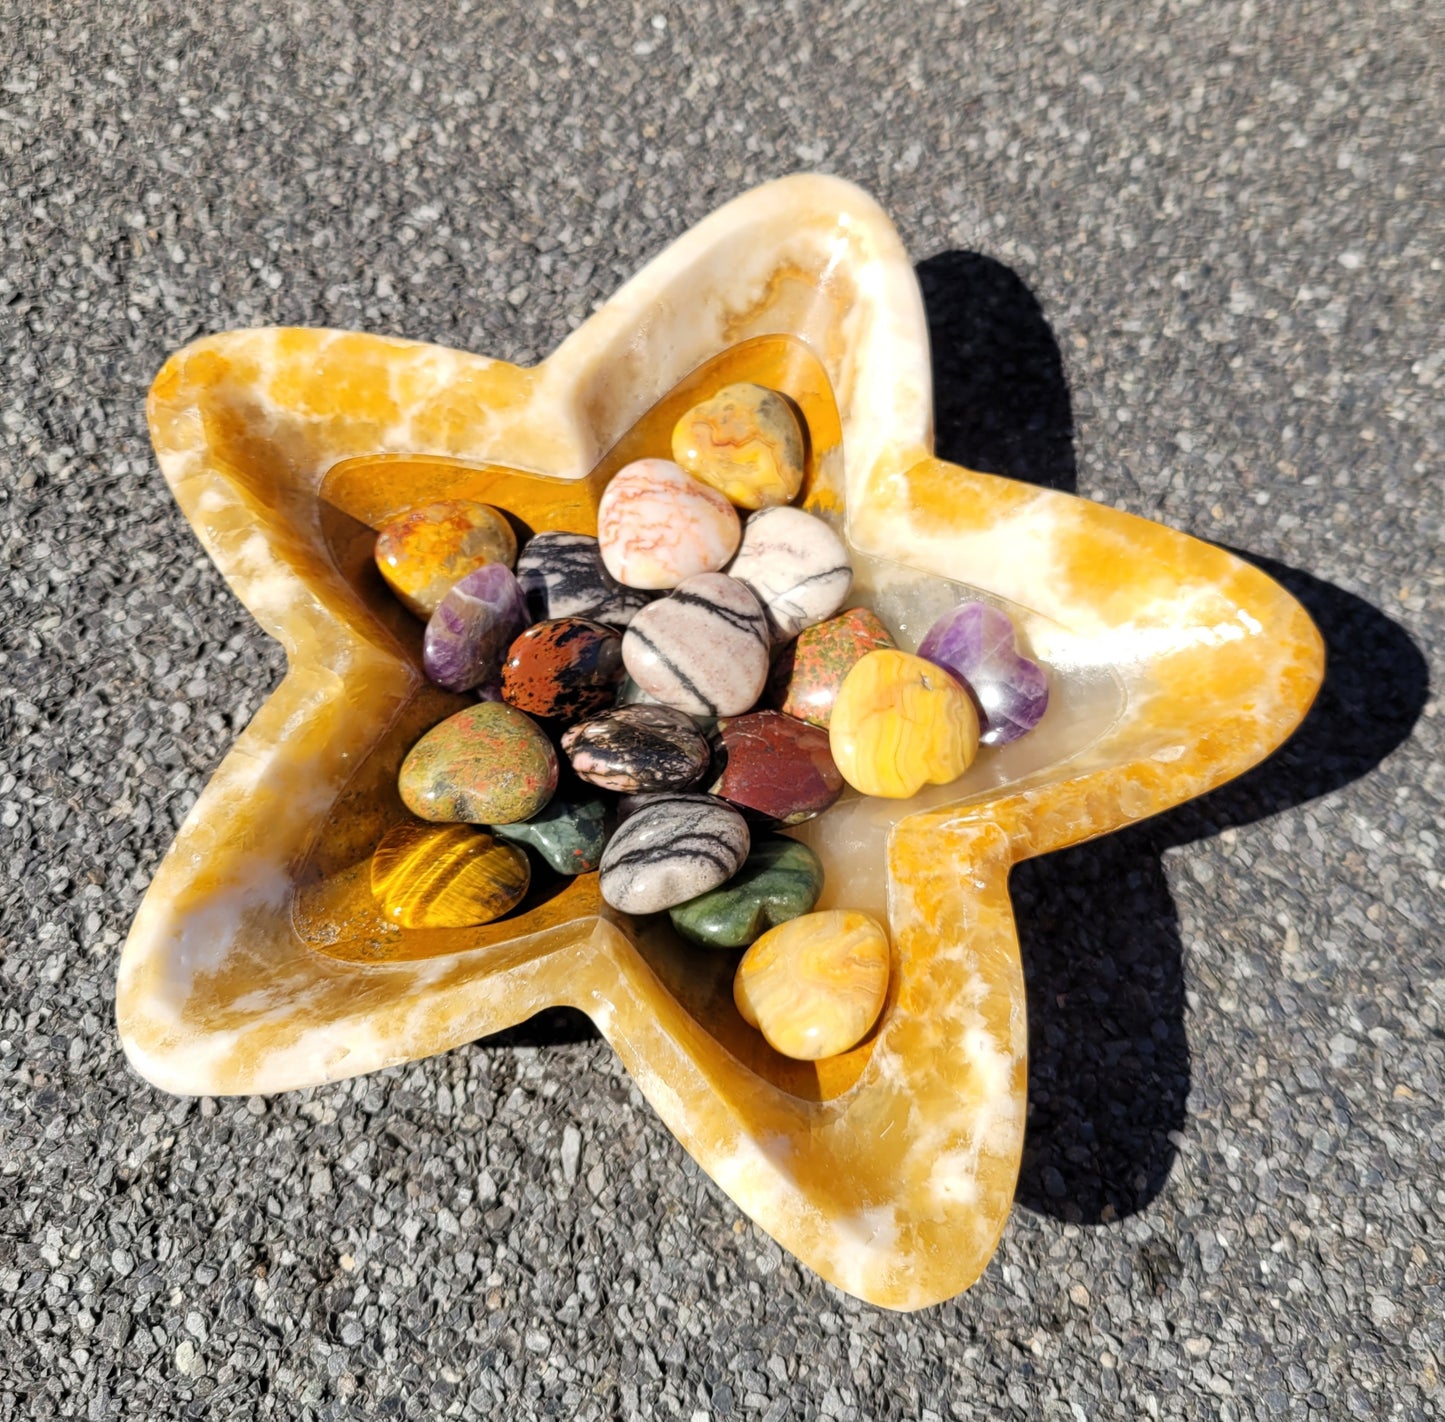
{"x":217,"y":991}
{"x":796,"y":567}
{"x":703,"y":649}
{"x":658,"y":526}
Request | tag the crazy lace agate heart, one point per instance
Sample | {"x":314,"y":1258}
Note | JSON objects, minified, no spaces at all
{"x":428,"y":550}
{"x":979,"y":645}
{"x":746,"y":443}
{"x":901,"y":723}
{"x":814,"y":986}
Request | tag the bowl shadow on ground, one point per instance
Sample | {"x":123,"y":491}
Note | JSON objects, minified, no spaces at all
{"x":1109,"y":1066}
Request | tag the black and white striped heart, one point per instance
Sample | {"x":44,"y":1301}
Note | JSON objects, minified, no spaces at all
{"x":702,"y":649}
{"x":795,"y":565}
{"x":670,"y":849}
{"x":562,"y":576}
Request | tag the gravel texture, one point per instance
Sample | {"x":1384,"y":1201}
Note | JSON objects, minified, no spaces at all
{"x":1183,"y":257}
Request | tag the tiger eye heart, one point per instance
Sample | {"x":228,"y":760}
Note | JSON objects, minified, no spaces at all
{"x":446,"y":876}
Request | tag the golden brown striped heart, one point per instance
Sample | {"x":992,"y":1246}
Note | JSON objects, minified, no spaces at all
{"x":447,"y":876}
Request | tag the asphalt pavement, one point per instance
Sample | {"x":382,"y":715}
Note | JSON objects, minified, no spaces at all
{"x":1184,"y":258}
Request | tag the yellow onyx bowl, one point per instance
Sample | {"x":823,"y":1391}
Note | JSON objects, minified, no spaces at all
{"x":259,"y":961}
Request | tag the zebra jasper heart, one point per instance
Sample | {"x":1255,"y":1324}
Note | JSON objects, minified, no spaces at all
{"x":796,"y":567}
{"x":670,"y":849}
{"x":702,"y":649}
{"x":562,"y":576}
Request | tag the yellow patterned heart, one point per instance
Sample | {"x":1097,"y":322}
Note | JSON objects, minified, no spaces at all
{"x":901,"y":723}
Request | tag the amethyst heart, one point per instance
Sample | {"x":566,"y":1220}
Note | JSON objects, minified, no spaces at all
{"x":978,"y":644}
{"x":474,"y":624}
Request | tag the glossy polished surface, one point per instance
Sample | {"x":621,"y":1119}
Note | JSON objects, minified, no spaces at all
{"x":901,"y":723}
{"x":745,"y":443}
{"x":658,"y":526}
{"x":425,"y":552}
{"x":795,"y":565}
{"x":979,"y":645}
{"x":487,"y":765}
{"x":472,"y":628}
{"x":774,"y":767}
{"x":814,"y":985}
{"x":702,"y":649}
{"x":670,"y":848}
{"x":809,"y":672}
{"x":634,"y":749}
{"x":446,"y":876}
{"x":779,"y":880}
{"x":257,"y":963}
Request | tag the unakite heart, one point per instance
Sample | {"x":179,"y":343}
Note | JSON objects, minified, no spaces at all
{"x":487,"y":765}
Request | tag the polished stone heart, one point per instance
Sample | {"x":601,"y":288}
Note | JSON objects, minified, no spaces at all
{"x":671,"y":848}
{"x":638,"y":748}
{"x":815,"y":985}
{"x":775,"y":767}
{"x":806,"y":677}
{"x":702,"y":649}
{"x":424,"y":553}
{"x":779,"y":880}
{"x":446,"y":876}
{"x":569,"y":834}
{"x":563,"y":669}
{"x":979,"y":645}
{"x":746,"y":443}
{"x":487,"y":765}
{"x":901,"y":722}
{"x":658,"y":526}
{"x":796,"y":567}
{"x":562,"y":576}
{"x":472,"y":628}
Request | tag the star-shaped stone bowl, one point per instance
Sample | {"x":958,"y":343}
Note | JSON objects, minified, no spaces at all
{"x":257,"y":962}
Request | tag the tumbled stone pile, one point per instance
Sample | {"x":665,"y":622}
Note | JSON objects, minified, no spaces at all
{"x":696,"y":664}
